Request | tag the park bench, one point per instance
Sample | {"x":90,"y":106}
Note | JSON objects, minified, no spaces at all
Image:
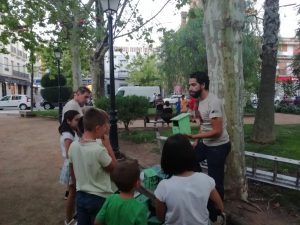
{"x":261,"y":174}
{"x":26,"y":113}
{"x":147,"y":120}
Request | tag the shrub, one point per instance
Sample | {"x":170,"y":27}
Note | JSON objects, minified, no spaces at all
{"x":50,"y":94}
{"x":284,"y":108}
{"x":129,"y":108}
{"x":49,"y":80}
{"x":51,"y":90}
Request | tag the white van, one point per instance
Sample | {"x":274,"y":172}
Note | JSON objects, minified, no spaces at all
{"x":146,"y":91}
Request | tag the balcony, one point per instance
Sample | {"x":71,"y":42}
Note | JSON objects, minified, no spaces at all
{"x":20,"y":74}
{"x":122,"y":74}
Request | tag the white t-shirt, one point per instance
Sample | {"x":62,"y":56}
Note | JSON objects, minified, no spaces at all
{"x":63,"y":136}
{"x":186,"y":198}
{"x":72,"y":105}
{"x":212,"y":107}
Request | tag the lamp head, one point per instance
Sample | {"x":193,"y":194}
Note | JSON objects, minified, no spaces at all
{"x":110,"y":5}
{"x":57,"y":53}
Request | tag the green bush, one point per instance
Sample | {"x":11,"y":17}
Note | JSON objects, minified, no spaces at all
{"x":49,"y":80}
{"x":292,"y":109}
{"x":129,"y":108}
{"x":51,"y":90}
{"x":50,"y":94}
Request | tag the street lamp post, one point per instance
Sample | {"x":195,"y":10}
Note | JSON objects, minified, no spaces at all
{"x":58,"y":55}
{"x":110,"y":7}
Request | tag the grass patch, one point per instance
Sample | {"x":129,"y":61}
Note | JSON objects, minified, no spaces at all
{"x":138,"y":136}
{"x":286,"y":145}
{"x":52,"y":113}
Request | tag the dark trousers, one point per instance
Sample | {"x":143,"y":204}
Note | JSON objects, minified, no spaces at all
{"x":216,"y":157}
{"x":87,"y":206}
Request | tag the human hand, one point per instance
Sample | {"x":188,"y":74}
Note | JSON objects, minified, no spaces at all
{"x":105,"y":140}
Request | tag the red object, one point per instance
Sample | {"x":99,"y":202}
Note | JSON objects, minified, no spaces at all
{"x":192,"y":102}
{"x":286,"y":78}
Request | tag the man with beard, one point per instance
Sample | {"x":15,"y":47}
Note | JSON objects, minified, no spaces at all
{"x":215,"y":144}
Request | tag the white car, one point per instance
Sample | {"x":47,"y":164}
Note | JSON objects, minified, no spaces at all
{"x":15,"y":101}
{"x":172,"y":99}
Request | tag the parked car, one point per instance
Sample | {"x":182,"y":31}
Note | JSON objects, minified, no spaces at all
{"x":287,"y":100}
{"x":15,"y":101}
{"x":172,"y":99}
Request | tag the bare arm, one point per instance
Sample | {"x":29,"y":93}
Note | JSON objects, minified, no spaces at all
{"x":67,"y":143}
{"x":215,"y":197}
{"x":106,"y":142}
{"x":160,"y":209}
{"x":217,"y":128}
{"x":72,"y":174}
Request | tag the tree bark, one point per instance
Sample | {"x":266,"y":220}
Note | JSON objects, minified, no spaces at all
{"x":75,"y":52}
{"x":263,"y":129}
{"x":223,"y":24}
{"x":97,"y":60}
{"x":97,"y":67}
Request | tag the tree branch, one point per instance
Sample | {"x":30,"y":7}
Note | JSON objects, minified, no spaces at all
{"x":137,"y":28}
{"x":119,"y":16}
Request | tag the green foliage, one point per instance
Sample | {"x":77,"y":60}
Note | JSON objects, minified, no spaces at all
{"x":50,"y":91}
{"x":291,"y":109}
{"x":51,"y":113}
{"x":183,"y":52}
{"x":49,"y":80}
{"x":143,"y":71}
{"x":129,"y":108}
{"x":51,"y":94}
{"x":251,"y":62}
{"x":138,"y":136}
{"x":286,"y":145}
{"x":289,"y":87}
{"x":296,"y":59}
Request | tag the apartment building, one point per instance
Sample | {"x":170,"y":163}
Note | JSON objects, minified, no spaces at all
{"x":123,"y":55}
{"x":287,"y":48}
{"x":14,"y":77}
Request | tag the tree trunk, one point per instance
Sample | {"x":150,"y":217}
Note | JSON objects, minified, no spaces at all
{"x":98,"y":77}
{"x":263,"y":129}
{"x":97,"y":64}
{"x":75,"y":55}
{"x":223,"y":24}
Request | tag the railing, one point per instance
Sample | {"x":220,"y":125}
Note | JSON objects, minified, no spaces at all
{"x":262,"y":174}
{"x":20,"y":74}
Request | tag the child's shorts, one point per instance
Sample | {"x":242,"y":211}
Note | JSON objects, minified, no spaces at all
{"x":65,"y":177}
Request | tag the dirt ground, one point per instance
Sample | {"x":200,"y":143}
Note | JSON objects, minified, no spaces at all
{"x":30,"y":162}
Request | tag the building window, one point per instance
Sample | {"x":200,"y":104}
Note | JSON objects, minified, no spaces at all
{"x":282,"y":47}
{"x":12,"y":64}
{"x":19,"y":53}
{"x":13,"y":49}
{"x":6,"y":64}
{"x":122,"y":73}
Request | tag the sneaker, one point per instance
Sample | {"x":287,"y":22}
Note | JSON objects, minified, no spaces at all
{"x":66,"y":195}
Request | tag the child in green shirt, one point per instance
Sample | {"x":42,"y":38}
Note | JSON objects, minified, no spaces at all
{"x":123,"y":208}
